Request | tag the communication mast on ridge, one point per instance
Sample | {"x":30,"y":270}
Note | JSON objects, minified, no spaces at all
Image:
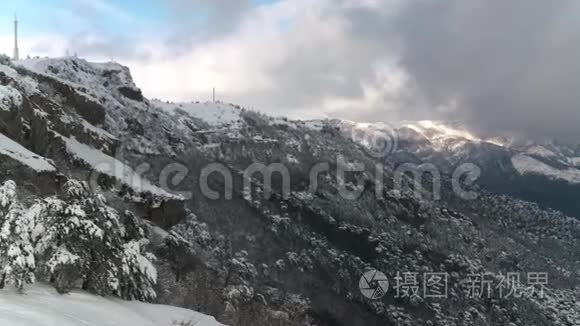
{"x":16,"y":51}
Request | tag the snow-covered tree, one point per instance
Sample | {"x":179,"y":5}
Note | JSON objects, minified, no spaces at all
{"x":81,"y":241}
{"x":68,"y":238}
{"x":137,"y":273}
{"x":16,"y":252}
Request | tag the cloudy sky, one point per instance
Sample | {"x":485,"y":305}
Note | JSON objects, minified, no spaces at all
{"x":509,"y":67}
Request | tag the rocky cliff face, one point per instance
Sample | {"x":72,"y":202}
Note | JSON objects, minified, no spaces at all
{"x":292,"y":258}
{"x":75,"y":116}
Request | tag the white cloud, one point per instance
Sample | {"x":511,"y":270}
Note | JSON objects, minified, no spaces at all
{"x":293,"y":58}
{"x":237,"y":64}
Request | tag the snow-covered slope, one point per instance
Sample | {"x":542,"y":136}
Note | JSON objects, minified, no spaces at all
{"x":447,"y":136}
{"x":377,"y":137}
{"x":215,"y":114}
{"x":451,"y":143}
{"x":94,"y":79}
{"x":16,"y":151}
{"x":9,"y":97}
{"x":439,"y":133}
{"x":111,"y":166}
{"x":41,"y":305}
{"x":29,"y":85}
{"x":544,"y":159}
{"x":427,"y":134}
{"x":541,"y":151}
{"x":525,"y":164}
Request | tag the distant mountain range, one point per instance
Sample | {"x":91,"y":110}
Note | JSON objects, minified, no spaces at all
{"x":544,"y":172}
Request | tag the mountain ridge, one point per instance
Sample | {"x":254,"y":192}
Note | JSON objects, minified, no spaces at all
{"x":545,"y":164}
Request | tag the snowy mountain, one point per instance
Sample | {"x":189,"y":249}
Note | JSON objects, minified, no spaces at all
{"x":547,"y":173}
{"x":102,"y":176}
{"x":545,"y":159}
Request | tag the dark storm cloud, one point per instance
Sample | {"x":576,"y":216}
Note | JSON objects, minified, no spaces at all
{"x":512,"y":65}
{"x":327,"y":52}
{"x":507,"y":67}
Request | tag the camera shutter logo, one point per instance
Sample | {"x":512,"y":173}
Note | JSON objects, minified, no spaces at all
{"x":378,"y":141}
{"x":373,"y":284}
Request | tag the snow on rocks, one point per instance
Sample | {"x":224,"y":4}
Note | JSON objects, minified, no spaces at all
{"x":101,"y":133}
{"x":527,"y":165}
{"x":107,"y":87}
{"x":439,"y":132}
{"x":79,"y":72}
{"x":14,"y":150}
{"x":575,"y":161}
{"x":443,"y":136}
{"x":9,"y":98}
{"x":215,"y":114}
{"x":111,"y":166}
{"x":98,"y":83}
{"x":373,"y":136}
{"x":541,"y":151}
{"x":26,"y":83}
{"x":8,"y":71}
{"x":41,"y":305}
{"x":315,"y":125}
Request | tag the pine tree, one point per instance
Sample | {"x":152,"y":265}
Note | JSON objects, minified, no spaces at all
{"x":17,"y":262}
{"x":138,"y":275}
{"x":80,"y":240}
{"x":63,"y":236}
